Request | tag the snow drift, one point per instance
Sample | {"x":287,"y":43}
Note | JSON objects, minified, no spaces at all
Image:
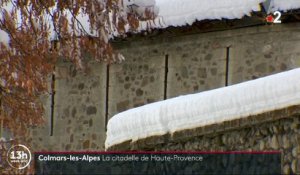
{"x":215,"y":106}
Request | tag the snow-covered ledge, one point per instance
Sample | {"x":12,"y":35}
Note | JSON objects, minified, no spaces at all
{"x":238,"y":101}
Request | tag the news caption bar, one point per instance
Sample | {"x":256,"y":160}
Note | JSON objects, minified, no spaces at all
{"x":158,"y":163}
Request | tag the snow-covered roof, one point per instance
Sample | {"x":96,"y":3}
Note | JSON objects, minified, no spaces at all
{"x":183,"y":12}
{"x":284,"y":5}
{"x":179,"y":12}
{"x":215,"y":106}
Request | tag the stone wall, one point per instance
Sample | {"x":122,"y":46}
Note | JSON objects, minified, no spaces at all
{"x":137,"y":81}
{"x":272,"y":131}
{"x":77,"y":121}
{"x":156,"y":69}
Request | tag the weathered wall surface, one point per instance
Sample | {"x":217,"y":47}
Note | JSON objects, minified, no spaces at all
{"x":278,"y":130}
{"x":78,"y":119}
{"x":195,"y":65}
{"x":137,"y":81}
{"x":156,"y":69}
{"x":269,"y":50}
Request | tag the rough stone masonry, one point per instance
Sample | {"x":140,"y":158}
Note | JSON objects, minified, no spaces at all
{"x":161,"y":68}
{"x":276,"y":130}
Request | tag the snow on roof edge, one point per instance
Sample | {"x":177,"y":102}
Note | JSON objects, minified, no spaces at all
{"x":285,"y":5}
{"x":178,"y":13}
{"x":206,"y":108}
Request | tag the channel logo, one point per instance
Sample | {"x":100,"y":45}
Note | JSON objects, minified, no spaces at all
{"x":19,"y":156}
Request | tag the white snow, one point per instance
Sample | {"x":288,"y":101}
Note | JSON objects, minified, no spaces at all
{"x":179,"y":12}
{"x":2,"y":139}
{"x":4,"y":37}
{"x":284,"y":5}
{"x":215,"y":106}
{"x":183,"y":12}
